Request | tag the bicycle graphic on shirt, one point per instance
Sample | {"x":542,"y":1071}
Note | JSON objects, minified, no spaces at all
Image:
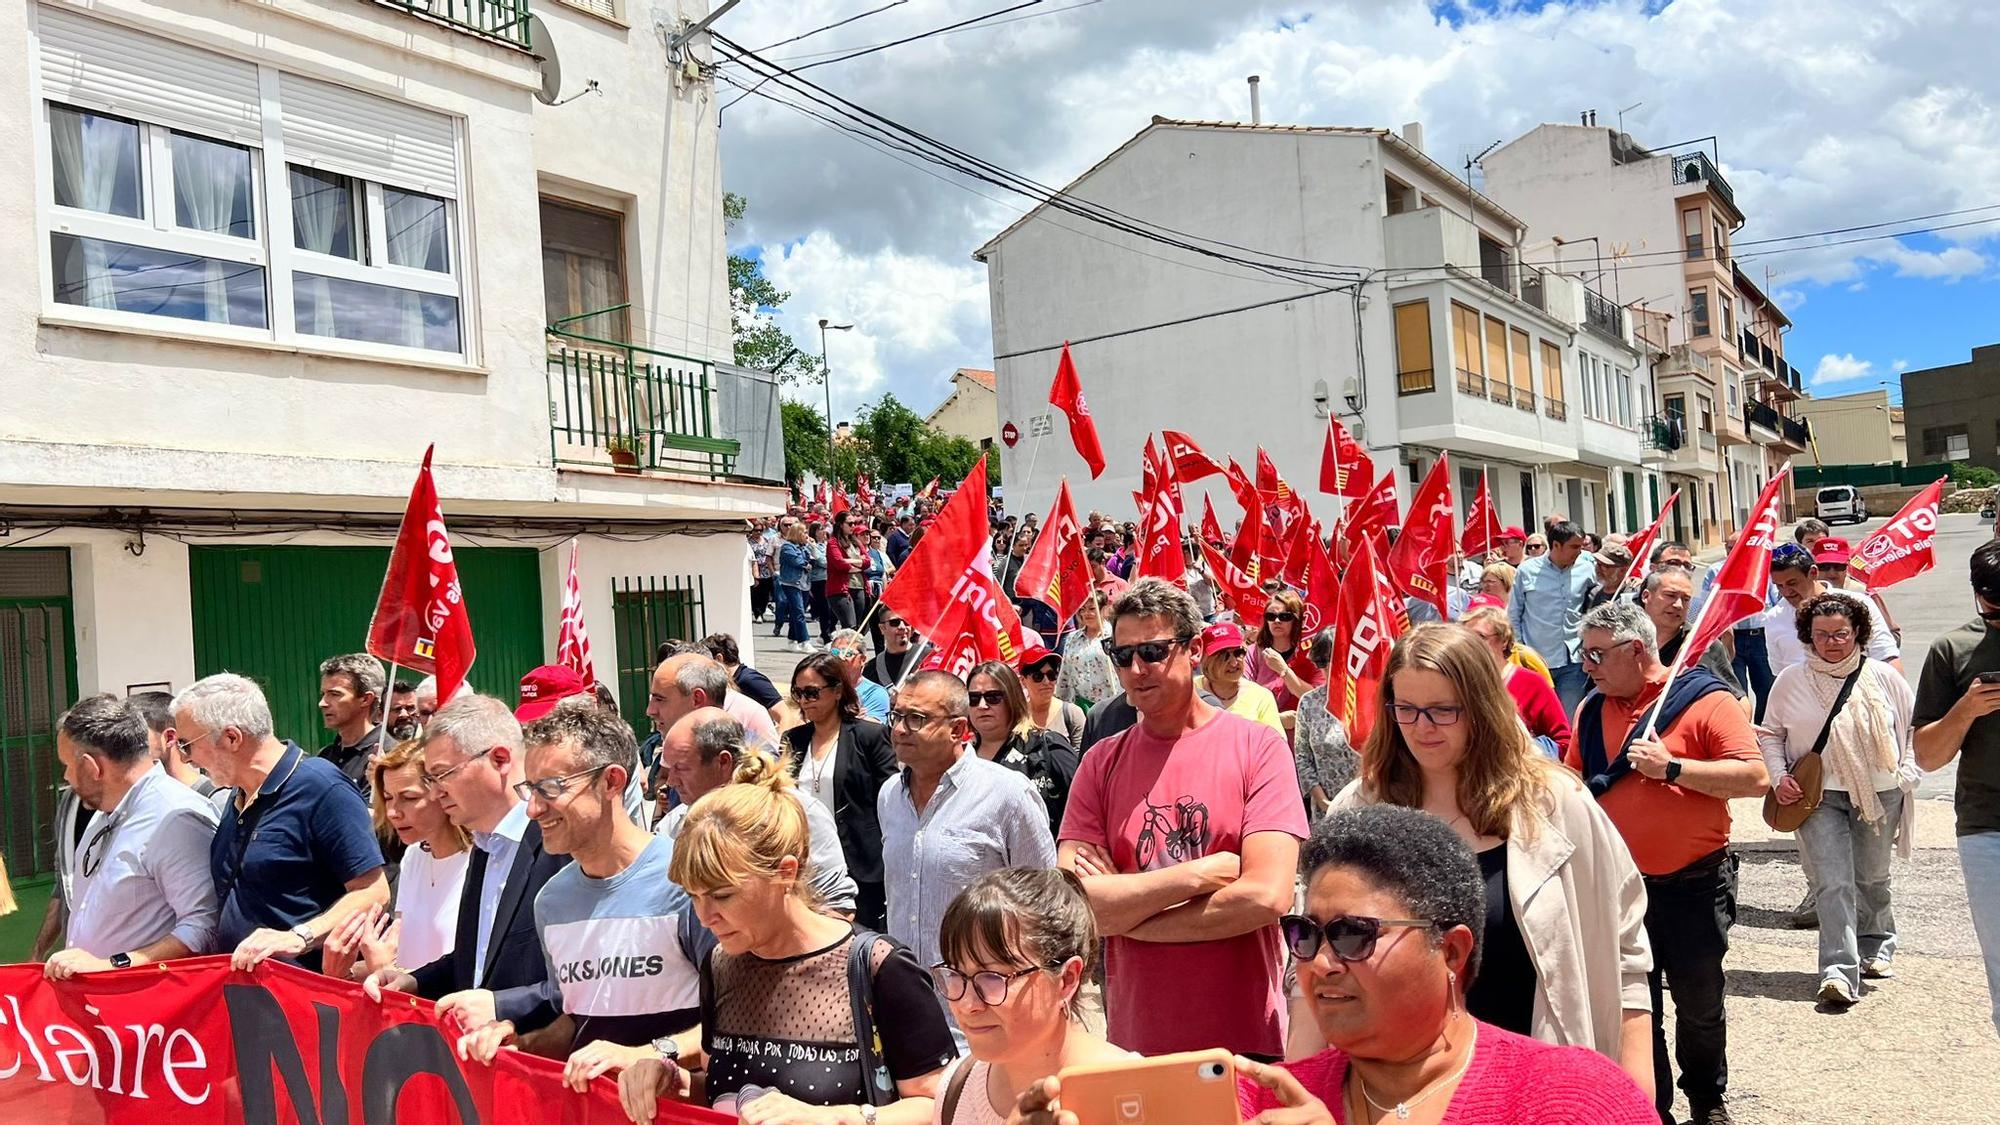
{"x":1172,"y":834}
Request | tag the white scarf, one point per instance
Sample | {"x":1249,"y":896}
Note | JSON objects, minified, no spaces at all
{"x":1862,"y":739}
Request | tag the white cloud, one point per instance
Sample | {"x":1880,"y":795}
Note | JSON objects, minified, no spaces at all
{"x":1900,"y":366}
{"x":1949,"y":264}
{"x":1841,"y":369}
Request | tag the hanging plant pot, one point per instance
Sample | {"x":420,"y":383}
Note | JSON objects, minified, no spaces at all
{"x":625,"y":461}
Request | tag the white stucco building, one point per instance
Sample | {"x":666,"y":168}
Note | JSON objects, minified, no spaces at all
{"x":970,"y":411}
{"x":1414,"y":320}
{"x":266,"y":254}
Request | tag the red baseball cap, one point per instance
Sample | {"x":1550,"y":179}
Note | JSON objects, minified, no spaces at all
{"x":1036,"y":652}
{"x":1219,"y":636}
{"x":1481,"y":601}
{"x":546,"y":686}
{"x":1507,"y":533}
{"x":1832,"y":551}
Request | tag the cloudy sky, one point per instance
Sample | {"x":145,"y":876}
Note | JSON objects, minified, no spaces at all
{"x":1829,"y":114}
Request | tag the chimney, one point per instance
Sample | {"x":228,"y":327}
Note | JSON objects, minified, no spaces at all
{"x":1256,"y":106}
{"x":1413,"y":135}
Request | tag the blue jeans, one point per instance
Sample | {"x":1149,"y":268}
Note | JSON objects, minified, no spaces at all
{"x":1851,"y":862}
{"x":1571,"y":686}
{"x":792,"y":612}
{"x":1979,"y":857}
{"x":1752,"y":665}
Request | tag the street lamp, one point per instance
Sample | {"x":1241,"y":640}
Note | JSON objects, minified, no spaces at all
{"x":826,"y":380}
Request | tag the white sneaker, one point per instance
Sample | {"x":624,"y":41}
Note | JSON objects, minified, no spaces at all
{"x":798,"y":646}
{"x":1876,"y":968}
{"x":1834,"y":990}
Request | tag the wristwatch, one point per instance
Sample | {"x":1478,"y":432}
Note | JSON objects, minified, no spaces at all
{"x":669,"y":1050}
{"x":120,"y":960}
{"x":1673,"y":771}
{"x":304,"y":932}
{"x":867,"y":1115}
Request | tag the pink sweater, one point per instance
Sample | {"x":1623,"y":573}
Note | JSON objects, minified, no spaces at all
{"x":1513,"y":1080}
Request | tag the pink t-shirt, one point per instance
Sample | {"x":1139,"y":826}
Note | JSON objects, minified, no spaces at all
{"x":1152,"y":803}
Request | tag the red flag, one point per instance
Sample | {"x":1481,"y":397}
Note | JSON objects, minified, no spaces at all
{"x":1902,"y":549}
{"x":1482,"y":526}
{"x":929,"y":491}
{"x":572,"y":641}
{"x":1066,"y":395}
{"x":839,"y":504}
{"x":1057,"y":570}
{"x":1244,"y":549}
{"x":1322,"y":595}
{"x":1160,"y":553}
{"x":1237,"y":589}
{"x":1279,"y":496}
{"x":1344,"y":467}
{"x":1361,"y":652}
{"x":966,"y":639}
{"x":1376,"y":514}
{"x":1745,"y":577}
{"x":1420,"y":562}
{"x":1190,"y":463}
{"x":862,"y":491}
{"x":420,"y":620}
{"x":1211,"y":531}
{"x":1299,"y":548}
{"x":953,"y":567}
{"x":1641,"y":545}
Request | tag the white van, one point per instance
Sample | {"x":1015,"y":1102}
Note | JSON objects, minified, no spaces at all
{"x":1841,"y":502}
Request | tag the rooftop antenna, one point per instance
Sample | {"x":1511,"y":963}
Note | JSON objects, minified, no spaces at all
{"x":1623,"y":112}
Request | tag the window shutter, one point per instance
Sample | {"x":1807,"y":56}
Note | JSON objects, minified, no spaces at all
{"x":606,"y":8}
{"x":336,"y":129}
{"x":102,"y":66}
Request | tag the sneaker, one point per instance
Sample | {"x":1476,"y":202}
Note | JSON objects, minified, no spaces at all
{"x":1713,"y":1115}
{"x":1834,"y":990}
{"x":798,"y":646}
{"x":1805,"y":916}
{"x":1876,"y":968}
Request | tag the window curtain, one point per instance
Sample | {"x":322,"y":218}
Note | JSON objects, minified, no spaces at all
{"x":212,"y":193}
{"x":416,"y":231}
{"x":318,"y":205}
{"x":87,"y":163}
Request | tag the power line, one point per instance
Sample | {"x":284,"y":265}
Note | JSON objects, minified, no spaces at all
{"x":952,"y":31}
{"x":836,"y":23}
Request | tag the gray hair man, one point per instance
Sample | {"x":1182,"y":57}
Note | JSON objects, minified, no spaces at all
{"x":1666,"y":596}
{"x":350,"y":700}
{"x":1664,"y":765}
{"x":1171,"y":892}
{"x":141,"y":891}
{"x":295,"y":854}
{"x":701,"y":753}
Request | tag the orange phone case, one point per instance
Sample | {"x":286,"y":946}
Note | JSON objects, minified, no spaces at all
{"x":1194,"y":1088}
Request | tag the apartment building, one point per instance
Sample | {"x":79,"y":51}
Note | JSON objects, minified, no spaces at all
{"x":269,"y":253}
{"x":969,"y":411}
{"x":1858,"y":429}
{"x":1952,"y":411}
{"x":1409,"y":314}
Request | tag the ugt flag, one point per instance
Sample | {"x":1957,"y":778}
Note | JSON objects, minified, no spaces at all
{"x":1344,"y":467}
{"x":1482,"y":526}
{"x":1420,"y":562}
{"x":1642,"y":543}
{"x":1057,"y":570}
{"x":1745,"y":577}
{"x":951,"y":570}
{"x":420,"y":620}
{"x":1902,"y":549}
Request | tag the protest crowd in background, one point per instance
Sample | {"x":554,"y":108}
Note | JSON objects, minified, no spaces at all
{"x":1420,"y":821}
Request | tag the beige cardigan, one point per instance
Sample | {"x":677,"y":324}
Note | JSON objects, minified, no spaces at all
{"x":1581,"y":906}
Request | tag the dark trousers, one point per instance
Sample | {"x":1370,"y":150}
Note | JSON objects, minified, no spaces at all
{"x":760,"y":595}
{"x":1688,"y":915}
{"x":820,"y":611}
{"x":840,"y":607}
{"x":1752,"y":665}
{"x":871,"y":906}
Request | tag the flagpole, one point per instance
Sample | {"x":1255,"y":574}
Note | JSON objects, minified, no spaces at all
{"x":910,"y":664}
{"x":388,"y":694}
{"x":1033,"y":453}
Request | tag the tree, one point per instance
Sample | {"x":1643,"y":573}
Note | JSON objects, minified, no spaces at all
{"x":907,"y":449}
{"x":760,"y":343}
{"x":805,"y":448}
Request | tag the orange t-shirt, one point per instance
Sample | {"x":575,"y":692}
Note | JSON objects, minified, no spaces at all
{"x":1665,"y":826}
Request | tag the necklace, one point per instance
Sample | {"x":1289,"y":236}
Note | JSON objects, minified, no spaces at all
{"x":822,"y":762}
{"x":1402,"y":1109}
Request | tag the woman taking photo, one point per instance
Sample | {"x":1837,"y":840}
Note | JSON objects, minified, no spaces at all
{"x":846,"y":573}
{"x":1277,"y":639}
{"x":1867,"y":767}
{"x":842,"y":758}
{"x":780,"y":1041}
{"x":1223,"y":658}
{"x":1017,"y":944}
{"x":1040,"y":670}
{"x":429,"y":877}
{"x":1326,"y":759}
{"x":1003,"y":733}
{"x":1541,"y":710}
{"x":1087,"y":678}
{"x":1566,"y":953}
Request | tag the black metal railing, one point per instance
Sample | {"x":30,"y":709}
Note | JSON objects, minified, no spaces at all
{"x":1795,"y":432}
{"x":505,"y":20}
{"x":1663,"y":431}
{"x":1761,"y":416}
{"x":1601,"y":314}
{"x":1697,"y":168}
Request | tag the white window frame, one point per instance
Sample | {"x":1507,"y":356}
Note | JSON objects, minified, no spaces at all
{"x":271,"y":248}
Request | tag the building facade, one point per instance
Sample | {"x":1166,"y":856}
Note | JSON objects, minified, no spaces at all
{"x":1951,"y":411}
{"x":1379,"y":291}
{"x":971,"y":411}
{"x":272,"y":252}
{"x":1857,"y":429}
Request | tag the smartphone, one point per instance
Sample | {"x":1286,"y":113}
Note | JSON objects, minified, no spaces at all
{"x":1988,"y":677}
{"x":1195,"y":1088}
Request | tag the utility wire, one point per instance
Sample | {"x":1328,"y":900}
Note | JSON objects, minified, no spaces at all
{"x":955,"y":31}
{"x":836,"y":23}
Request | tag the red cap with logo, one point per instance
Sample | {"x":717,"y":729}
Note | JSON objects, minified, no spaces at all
{"x":1220,"y":637}
{"x":1514,"y":533}
{"x":1832,"y":551}
{"x":1035,"y":653}
{"x":546,"y":686}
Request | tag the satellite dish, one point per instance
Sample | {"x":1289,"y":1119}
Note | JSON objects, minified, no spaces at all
{"x":545,"y":54}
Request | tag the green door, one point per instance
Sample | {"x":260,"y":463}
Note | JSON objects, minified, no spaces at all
{"x":1632,"y":504}
{"x":273,"y":613}
{"x":37,"y":683}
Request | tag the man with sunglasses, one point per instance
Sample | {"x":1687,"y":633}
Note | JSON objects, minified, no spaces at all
{"x":898,"y":641}
{"x":1547,"y":604}
{"x":1954,"y":720}
{"x":1185,"y":830}
{"x":141,"y":890}
{"x":1664,"y":768}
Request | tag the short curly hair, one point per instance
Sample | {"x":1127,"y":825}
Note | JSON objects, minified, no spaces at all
{"x":1836,"y":605}
{"x":1412,"y":855}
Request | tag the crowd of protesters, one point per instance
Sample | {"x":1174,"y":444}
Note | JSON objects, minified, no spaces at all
{"x":1476,"y":915}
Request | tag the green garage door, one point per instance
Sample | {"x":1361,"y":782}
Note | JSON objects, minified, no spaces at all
{"x":273,"y":613}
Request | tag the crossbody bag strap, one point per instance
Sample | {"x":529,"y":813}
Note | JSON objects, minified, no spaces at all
{"x":861,"y":994}
{"x":1839,"y":701}
{"x":955,"y":1089}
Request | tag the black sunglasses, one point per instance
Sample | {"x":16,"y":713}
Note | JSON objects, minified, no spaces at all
{"x":1040,"y":672}
{"x":1152,"y":652}
{"x":1351,"y":937}
{"x":1281,"y":616}
{"x":987,"y":698}
{"x":807,"y":694}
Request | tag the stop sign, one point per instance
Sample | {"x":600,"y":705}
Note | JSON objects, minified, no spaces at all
{"x":1010,"y":433}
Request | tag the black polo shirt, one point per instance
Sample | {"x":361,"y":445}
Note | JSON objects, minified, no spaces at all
{"x":352,"y":761}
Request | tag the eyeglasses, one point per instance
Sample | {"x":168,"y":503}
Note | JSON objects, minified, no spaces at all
{"x":93,"y":855}
{"x":1281,"y":616}
{"x":895,"y":624}
{"x":1443,"y":715}
{"x":1152,"y":652}
{"x":991,"y":987}
{"x":186,"y":745}
{"x":1230,"y":654}
{"x":913,"y":721}
{"x":1351,"y":937}
{"x":1536,"y":548}
{"x":1041,"y":672}
{"x":1597,"y":655}
{"x":986,"y":698}
{"x":807,"y":694}
{"x":436,"y":779}
{"x":1837,"y":637}
{"x":552,"y":788}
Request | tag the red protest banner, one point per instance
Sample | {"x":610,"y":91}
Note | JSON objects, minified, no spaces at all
{"x":195,"y":1043}
{"x":420,"y":619}
{"x":1902,"y":549}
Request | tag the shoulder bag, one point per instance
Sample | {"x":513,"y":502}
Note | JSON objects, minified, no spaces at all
{"x":1809,"y":771}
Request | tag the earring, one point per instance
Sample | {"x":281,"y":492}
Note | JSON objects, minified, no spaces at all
{"x":1457,"y":1005}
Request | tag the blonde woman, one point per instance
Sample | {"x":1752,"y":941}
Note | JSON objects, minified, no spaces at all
{"x":1536,"y":697}
{"x":779,"y":1036}
{"x":1223,"y":660}
{"x":429,"y":878}
{"x":1497,"y":581}
{"x":1565,"y":949}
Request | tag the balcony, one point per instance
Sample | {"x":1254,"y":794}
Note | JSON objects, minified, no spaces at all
{"x":1665,"y":432}
{"x":1602,"y":315}
{"x":1697,"y":168}
{"x":504,"y":21}
{"x":1794,"y":436}
{"x":1761,"y":421}
{"x":636,"y":410}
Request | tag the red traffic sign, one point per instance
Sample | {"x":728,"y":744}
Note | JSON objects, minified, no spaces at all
{"x":1010,"y":433}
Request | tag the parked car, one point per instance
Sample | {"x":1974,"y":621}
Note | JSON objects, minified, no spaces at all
{"x":1841,"y":502}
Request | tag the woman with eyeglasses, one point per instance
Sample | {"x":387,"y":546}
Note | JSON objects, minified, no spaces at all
{"x":1534,"y":696}
{"x":1223,"y":659}
{"x":1040,"y":669}
{"x":1856,"y":712}
{"x":1565,"y":948}
{"x":785,"y":1039}
{"x":842,"y":758}
{"x":1087,"y":677}
{"x":1278,"y":639}
{"x":1003,"y":732}
{"x":1326,"y":759}
{"x":424,"y":923}
{"x":1537,"y":544}
{"x":1018,"y":945}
